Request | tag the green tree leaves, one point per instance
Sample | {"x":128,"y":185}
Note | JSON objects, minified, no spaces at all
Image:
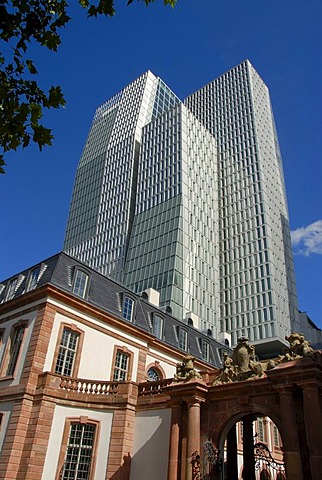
{"x":21,"y":99}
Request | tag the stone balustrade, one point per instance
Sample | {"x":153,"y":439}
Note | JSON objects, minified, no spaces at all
{"x":153,"y":388}
{"x":80,"y":385}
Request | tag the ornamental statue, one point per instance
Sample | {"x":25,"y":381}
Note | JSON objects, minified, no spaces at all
{"x":241,"y":365}
{"x":186,"y":369}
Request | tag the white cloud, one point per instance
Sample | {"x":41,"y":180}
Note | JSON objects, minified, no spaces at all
{"x":307,"y":240}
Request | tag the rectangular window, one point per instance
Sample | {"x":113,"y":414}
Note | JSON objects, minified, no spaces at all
{"x":157,"y":323}
{"x":67,"y":352}
{"x":127,"y":309}
{"x":261,"y":430}
{"x":80,"y":284}
{"x":205,"y":350}
{"x":33,"y":279}
{"x":15,"y":347}
{"x":121,"y":367}
{"x":276,"y":437}
{"x":182,"y":338}
{"x":79,"y":452}
{"x":11,"y":289}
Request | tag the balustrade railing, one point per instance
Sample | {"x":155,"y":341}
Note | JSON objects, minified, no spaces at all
{"x":88,"y":386}
{"x":153,"y":388}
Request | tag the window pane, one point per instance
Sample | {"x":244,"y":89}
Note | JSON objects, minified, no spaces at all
{"x":153,"y":375}
{"x":11,"y":289}
{"x":79,"y":452}
{"x":121,"y":367}
{"x":157,"y":326}
{"x":80,"y":283}
{"x":67,"y":351}
{"x":127,"y":308}
{"x":182,"y":339}
{"x":15,"y":349}
{"x":205,"y":350}
{"x":33,"y":278}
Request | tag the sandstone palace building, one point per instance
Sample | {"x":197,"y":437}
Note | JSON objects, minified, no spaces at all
{"x":100,"y":383}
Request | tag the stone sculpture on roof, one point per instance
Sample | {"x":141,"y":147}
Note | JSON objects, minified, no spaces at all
{"x":243,"y":363}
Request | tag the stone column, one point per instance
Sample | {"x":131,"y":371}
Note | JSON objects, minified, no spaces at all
{"x":193,"y":444}
{"x":248,"y":448}
{"x":232,"y":466}
{"x":313,"y":426}
{"x":174,"y":451}
{"x":291,"y":448}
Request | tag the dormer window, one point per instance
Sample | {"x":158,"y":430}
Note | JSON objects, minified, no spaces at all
{"x":157,"y":325}
{"x":182,"y":338}
{"x":11,"y":289}
{"x":80,"y":283}
{"x":127,"y":310}
{"x":204,"y":346}
{"x":33,"y":279}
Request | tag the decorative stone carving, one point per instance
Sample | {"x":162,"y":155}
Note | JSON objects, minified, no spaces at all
{"x":299,"y":347}
{"x":241,"y":365}
{"x":186,"y":369}
{"x":195,"y":463}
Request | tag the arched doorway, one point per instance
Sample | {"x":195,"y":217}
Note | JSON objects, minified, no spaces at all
{"x":251,"y":449}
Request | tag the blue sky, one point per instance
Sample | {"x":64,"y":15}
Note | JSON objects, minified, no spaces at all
{"x":188,"y":47}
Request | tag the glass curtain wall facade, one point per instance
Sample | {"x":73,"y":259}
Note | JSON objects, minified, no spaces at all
{"x":189,"y":199}
{"x":174,"y":236}
{"x":257,"y":282}
{"x":103,"y":201}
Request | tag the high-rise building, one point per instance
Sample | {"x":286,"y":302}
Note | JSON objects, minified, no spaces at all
{"x":257,"y":281}
{"x":189,"y":199}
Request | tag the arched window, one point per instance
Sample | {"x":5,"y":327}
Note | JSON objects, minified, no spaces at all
{"x":153,"y":374}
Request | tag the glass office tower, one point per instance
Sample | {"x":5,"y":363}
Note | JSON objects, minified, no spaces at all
{"x":103,"y":201}
{"x":173,"y":245}
{"x":189,"y":199}
{"x":257,"y":282}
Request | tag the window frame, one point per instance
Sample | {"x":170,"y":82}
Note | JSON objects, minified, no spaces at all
{"x":6,"y":360}
{"x":153,"y":318}
{"x":157,"y":367}
{"x":85,"y":289}
{"x":33,"y":279}
{"x":202,"y":343}
{"x":76,"y":361}
{"x":83,"y":420}
{"x":179,"y":330}
{"x":13,"y":281}
{"x":125,"y":351}
{"x":125,"y":308}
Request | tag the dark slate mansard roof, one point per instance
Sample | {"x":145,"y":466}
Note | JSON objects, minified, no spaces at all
{"x":107,"y":294}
